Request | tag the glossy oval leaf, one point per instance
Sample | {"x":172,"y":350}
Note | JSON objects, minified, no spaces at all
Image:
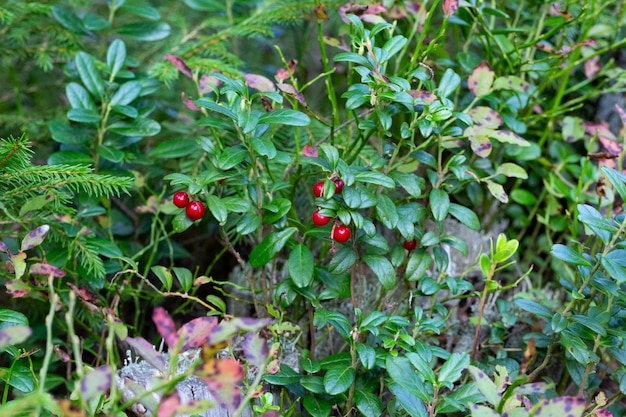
{"x":301,"y":265}
{"x":270,"y":246}
{"x":285,"y":117}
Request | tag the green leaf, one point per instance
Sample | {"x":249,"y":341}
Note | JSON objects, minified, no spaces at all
{"x":236,"y":204}
{"x":383,"y":270}
{"x":110,"y":154}
{"x":185,"y":278}
{"x":63,"y":133}
{"x":211,"y":105}
{"x":264,"y":147}
{"x":70,"y":158}
{"x":617,"y":179}
{"x":89,"y":74}
{"x":270,"y":246}
{"x":342,"y":260}
{"x":466,"y":216}
{"x":337,"y":380}
{"x":590,"y":323}
{"x":497,"y":191}
{"x":68,"y":19}
{"x":116,"y":56}
{"x":485,"y":385}
{"x":218,"y":209}
{"x":84,"y":116}
{"x":301,"y":264}
{"x":95,"y":22}
{"x":181,"y":222}
{"x":450,"y":81}
{"x":142,"y":10}
{"x":79,"y":97}
{"x":512,"y":171}
{"x":368,"y":404}
{"x":175,"y":148}
{"x":313,"y":383}
{"x":353,"y":57}
{"x":592,"y":218}
{"x":127,"y":92}
{"x":286,"y":376}
{"x":137,"y":128}
{"x":146,"y":31}
{"x":231,"y":157}
{"x":566,"y":254}
{"x":403,"y":374}
{"x":367,"y":355}
{"x":317,"y":407}
{"x":407,"y":181}
{"x":285,"y":117}
{"x":418,"y":264}
{"x":523,"y":197}
{"x":386,"y":211}
{"x":614,"y":269}
{"x":11,"y":316}
{"x":439,"y":204}
{"x":21,"y":378}
{"x":164,"y":275}
{"x":206,"y":5}
{"x":534,"y":308}
{"x":485,"y":265}
{"x":452,"y":368}
{"x":373,"y":177}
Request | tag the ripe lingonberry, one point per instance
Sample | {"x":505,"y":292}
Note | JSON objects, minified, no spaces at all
{"x":341,"y":233}
{"x":181,"y":199}
{"x":318,"y":189}
{"x":318,"y":219}
{"x":338,"y":185}
{"x":195,"y":210}
{"x":410,"y":244}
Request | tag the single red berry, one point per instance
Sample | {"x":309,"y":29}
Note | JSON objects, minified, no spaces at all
{"x":195,"y":210}
{"x":221,"y":181}
{"x":341,"y":233}
{"x":410,"y":244}
{"x":318,"y":189}
{"x":338,"y":185}
{"x":181,"y":199}
{"x":318,"y":219}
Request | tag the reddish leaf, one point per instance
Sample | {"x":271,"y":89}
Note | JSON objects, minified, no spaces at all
{"x":144,"y":349}
{"x":481,"y":79}
{"x":83,"y":293}
{"x":222,"y":377}
{"x":196,"y":332}
{"x":180,"y":64}
{"x":61,"y":354}
{"x":4,"y":248}
{"x":17,"y":288}
{"x":169,"y":404}
{"x":351,"y":8}
{"x":165,"y":326}
{"x":188,"y":102}
{"x":376,"y":8}
{"x":622,"y":114}
{"x":592,"y":67}
{"x":450,"y":6}
{"x":426,"y":96}
{"x":320,"y":13}
{"x":259,"y":82}
{"x":309,"y":151}
{"x":46,"y":269}
{"x":208,"y":83}
{"x":35,"y":237}
{"x":479,"y":140}
{"x":602,"y":412}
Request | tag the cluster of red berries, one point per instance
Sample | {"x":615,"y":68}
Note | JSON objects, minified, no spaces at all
{"x":340,"y":233}
{"x":193,"y":209}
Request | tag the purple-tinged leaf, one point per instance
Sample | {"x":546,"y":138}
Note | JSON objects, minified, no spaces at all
{"x":196,"y":332}
{"x":222,"y":377}
{"x":96,"y":383}
{"x":485,"y":117}
{"x":592,"y":66}
{"x":622,"y":114}
{"x":479,"y":140}
{"x":35,"y":237}
{"x":485,"y":385}
{"x":497,"y":191}
{"x":511,"y":82}
{"x":506,"y":136}
{"x":208,"y":83}
{"x":165,"y":326}
{"x":144,"y":349}
{"x":4,"y":248}
{"x":602,"y":412}
{"x":482,"y":411}
{"x":511,"y":170}
{"x":309,"y":151}
{"x":188,"y":102}
{"x":17,"y":288}
{"x":536,"y":388}
{"x":481,"y":79}
{"x":259,"y":82}
{"x":255,"y":348}
{"x":13,"y":335}
{"x":46,"y":269}
{"x":180,"y":64}
{"x":450,"y":6}
{"x":561,"y":406}
{"x":226,"y":329}
{"x":169,"y":405}
{"x":291,"y":90}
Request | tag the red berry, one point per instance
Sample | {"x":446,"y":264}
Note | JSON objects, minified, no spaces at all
{"x":318,"y":189}
{"x":410,"y":244}
{"x":221,"y":181}
{"x":341,"y":233}
{"x":318,"y":219}
{"x":338,"y":185}
{"x":181,"y":199}
{"x":195,"y":210}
